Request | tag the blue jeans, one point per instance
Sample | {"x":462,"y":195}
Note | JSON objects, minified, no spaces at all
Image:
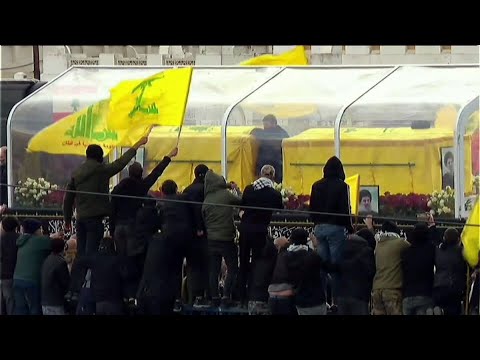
{"x":331,"y":241}
{"x":352,"y":306}
{"x":53,"y":310}
{"x":417,"y":305}
{"x":26,"y":296}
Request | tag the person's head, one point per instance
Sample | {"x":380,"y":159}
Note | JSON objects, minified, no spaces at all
{"x":107,"y":246}
{"x":3,"y":155}
{"x":366,"y":199}
{"x":32,"y":227}
{"x":419,"y":233}
{"x":169,"y":187}
{"x":95,"y":152}
{"x":58,"y":246}
{"x":448,"y":161}
{"x":10,"y":224}
{"x":451,"y":236}
{"x":269,"y":121}
{"x":366,"y":235}
{"x":268,"y":171}
{"x":390,"y":227}
{"x":135,"y":170}
{"x":334,"y":169}
{"x":200,"y":171}
{"x":299,"y":236}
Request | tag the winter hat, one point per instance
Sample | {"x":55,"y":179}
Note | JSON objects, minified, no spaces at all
{"x":389,"y":226}
{"x":31,"y":225}
{"x":200,"y":171}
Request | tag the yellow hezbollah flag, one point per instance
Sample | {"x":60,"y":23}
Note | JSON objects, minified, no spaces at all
{"x":471,"y":236}
{"x":353,"y":183}
{"x":160,"y":99}
{"x":296,"y":56}
{"x":72,"y":134}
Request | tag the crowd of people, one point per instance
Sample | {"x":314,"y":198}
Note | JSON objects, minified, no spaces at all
{"x":153,"y":246}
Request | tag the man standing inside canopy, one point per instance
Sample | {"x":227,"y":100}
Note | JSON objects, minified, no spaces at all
{"x":270,"y":146}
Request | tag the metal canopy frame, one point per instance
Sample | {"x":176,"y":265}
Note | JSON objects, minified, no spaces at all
{"x":462,"y":119}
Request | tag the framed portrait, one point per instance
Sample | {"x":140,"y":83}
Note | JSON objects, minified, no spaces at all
{"x":368,"y":203}
{"x":447,"y":164}
{"x":140,"y":157}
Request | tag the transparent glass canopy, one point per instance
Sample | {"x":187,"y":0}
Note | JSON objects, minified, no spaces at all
{"x":368,"y":115}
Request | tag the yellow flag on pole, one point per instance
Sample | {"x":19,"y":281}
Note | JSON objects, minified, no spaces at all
{"x":471,"y":236}
{"x":296,"y":56}
{"x":353,"y":183}
{"x":159,"y":100}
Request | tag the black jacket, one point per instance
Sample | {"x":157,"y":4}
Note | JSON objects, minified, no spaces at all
{"x":176,"y":217}
{"x":451,"y":268}
{"x":418,"y":263}
{"x":258,"y":220}
{"x":8,"y":254}
{"x":125,"y":209}
{"x":331,"y":195}
{"x":3,"y":188}
{"x":196,"y":192}
{"x":113,"y":277}
{"x":55,"y":280}
{"x":270,"y":149}
{"x":147,"y":224}
{"x":357,"y":269}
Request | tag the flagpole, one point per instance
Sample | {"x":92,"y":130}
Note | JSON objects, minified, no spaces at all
{"x":185,"y":106}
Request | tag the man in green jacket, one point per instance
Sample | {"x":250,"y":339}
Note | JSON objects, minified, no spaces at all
{"x":33,"y":249}
{"x":221,"y":233}
{"x":92,"y":176}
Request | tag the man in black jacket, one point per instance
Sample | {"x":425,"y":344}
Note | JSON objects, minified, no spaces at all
{"x":331,"y":195}
{"x":197,"y":257}
{"x":92,"y":176}
{"x":357,"y":270}
{"x":161,"y":280}
{"x":254,"y":225}
{"x":270,"y":146}
{"x":3,"y":179}
{"x":418,"y":262}
{"x":8,"y":238}
{"x":124,"y":210}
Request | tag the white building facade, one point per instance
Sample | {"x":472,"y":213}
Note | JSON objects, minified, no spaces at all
{"x":56,"y":59}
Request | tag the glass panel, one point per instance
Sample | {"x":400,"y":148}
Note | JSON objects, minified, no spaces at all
{"x":305,"y":103}
{"x":399,"y":138}
{"x":212,"y":91}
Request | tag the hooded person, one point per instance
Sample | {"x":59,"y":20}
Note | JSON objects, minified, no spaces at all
{"x":388,"y":281}
{"x":330,"y":204}
{"x":92,"y":176}
{"x":33,"y":249}
{"x":418,"y":262}
{"x":450,"y":278}
{"x":218,"y":215}
{"x":254,"y":224}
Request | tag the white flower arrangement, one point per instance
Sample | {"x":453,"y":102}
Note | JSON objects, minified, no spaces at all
{"x":442,"y":202}
{"x":32,"y":192}
{"x":287,"y":193}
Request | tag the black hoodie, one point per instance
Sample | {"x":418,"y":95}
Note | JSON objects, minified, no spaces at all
{"x":331,"y":195}
{"x":195,"y":192}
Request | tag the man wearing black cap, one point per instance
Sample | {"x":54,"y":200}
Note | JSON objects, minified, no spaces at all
{"x":197,"y":261}
{"x":92,"y":176}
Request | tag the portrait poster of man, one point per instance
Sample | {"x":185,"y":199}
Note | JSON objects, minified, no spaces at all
{"x":448,"y":166}
{"x":368,"y":200}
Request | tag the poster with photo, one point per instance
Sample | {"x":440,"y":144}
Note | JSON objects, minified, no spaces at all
{"x":369,"y":200}
{"x":448,"y":167}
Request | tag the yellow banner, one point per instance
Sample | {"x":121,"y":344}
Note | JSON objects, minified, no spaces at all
{"x":160,"y":99}
{"x":471,"y":236}
{"x":72,"y":134}
{"x":353,"y":183}
{"x":296,"y":56}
